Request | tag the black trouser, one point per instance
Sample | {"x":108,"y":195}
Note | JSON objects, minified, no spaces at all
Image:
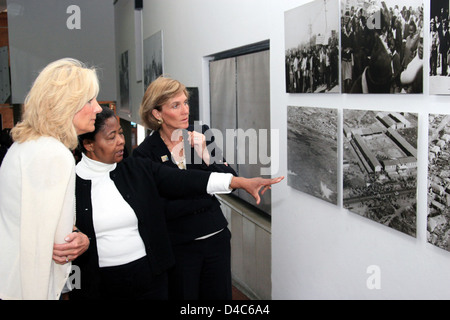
{"x":133,"y":281}
{"x":444,"y":64}
{"x":203,"y":269}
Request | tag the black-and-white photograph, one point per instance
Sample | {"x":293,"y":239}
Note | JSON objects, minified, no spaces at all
{"x":438,"y":226}
{"x":312,"y":47}
{"x":312,"y":151}
{"x":382,"y":46}
{"x":380,"y":167}
{"x":439,"y":47}
{"x":124,"y":83}
{"x":153,"y":58}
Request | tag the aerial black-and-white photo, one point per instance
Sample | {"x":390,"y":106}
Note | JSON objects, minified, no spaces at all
{"x":382,"y":46}
{"x":124,"y":83}
{"x":153,"y":58}
{"x":312,"y":151}
{"x":439,"y":47}
{"x":438,"y":226}
{"x":312,"y":47}
{"x":380,"y":167}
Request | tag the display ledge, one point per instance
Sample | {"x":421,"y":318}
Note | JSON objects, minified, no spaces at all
{"x":248,"y":211}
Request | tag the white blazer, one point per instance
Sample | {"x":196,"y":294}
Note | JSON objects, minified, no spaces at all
{"x":37,"y":209}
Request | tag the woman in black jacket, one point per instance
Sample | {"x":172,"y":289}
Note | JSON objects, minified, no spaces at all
{"x":119,"y":207}
{"x":197,"y":227}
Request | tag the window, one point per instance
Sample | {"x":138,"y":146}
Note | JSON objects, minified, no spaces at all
{"x":240,"y":109}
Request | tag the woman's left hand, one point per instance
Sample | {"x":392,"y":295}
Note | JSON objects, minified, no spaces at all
{"x":76,"y":244}
{"x":198,"y":142}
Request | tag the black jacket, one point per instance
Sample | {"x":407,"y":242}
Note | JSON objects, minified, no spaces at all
{"x":141,"y":183}
{"x":193,"y":216}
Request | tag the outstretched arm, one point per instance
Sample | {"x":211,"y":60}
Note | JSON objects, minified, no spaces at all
{"x":253,"y":185}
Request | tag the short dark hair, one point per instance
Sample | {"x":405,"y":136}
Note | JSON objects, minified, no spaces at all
{"x":100,"y":120}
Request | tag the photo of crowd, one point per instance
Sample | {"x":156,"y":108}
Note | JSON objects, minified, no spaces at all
{"x":312,"y":48}
{"x":439,"y":47}
{"x":382,"y":46}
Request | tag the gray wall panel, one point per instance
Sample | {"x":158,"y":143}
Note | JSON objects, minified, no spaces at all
{"x":46,"y":30}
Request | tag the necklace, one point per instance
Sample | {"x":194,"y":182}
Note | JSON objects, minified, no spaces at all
{"x":178,"y":158}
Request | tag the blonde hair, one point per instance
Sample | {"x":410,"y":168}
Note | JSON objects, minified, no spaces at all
{"x":61,"y":89}
{"x":156,"y":95}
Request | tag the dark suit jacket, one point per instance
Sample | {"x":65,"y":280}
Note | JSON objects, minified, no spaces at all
{"x":397,"y":69}
{"x":189,"y":217}
{"x":141,"y":183}
{"x":444,"y":40}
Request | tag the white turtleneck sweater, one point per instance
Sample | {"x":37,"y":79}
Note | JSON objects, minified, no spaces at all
{"x":115,"y":222}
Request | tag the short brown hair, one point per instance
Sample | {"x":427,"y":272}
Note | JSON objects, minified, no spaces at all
{"x":156,"y":95}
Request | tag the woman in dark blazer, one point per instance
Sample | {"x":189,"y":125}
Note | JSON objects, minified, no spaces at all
{"x":119,"y":207}
{"x":197,"y":227}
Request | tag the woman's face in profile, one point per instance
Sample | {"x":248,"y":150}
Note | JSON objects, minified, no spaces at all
{"x":109,"y":143}
{"x":84,"y":120}
{"x":175,"y":113}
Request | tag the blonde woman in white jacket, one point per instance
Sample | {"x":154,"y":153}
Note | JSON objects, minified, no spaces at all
{"x":37,"y":181}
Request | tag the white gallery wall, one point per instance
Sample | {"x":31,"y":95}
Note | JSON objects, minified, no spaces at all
{"x":322,"y":251}
{"x":319,"y":250}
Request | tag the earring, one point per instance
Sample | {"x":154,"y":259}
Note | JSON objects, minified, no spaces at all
{"x":160,"y":121}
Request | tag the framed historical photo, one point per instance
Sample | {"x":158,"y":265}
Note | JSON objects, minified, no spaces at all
{"x":153,"y":58}
{"x":313,"y":151}
{"x":439,"y":42}
{"x":380,"y":167}
{"x":312,"y":48}
{"x":382,"y":46}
